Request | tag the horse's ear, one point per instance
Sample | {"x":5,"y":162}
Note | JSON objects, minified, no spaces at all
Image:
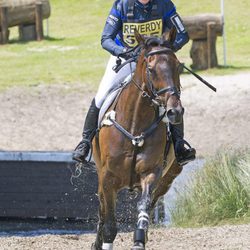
{"x":170,"y":37}
{"x":139,"y":38}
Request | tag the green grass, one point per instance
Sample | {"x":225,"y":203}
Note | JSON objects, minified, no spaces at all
{"x":219,"y":193}
{"x":237,"y":29}
{"x":73,"y":54}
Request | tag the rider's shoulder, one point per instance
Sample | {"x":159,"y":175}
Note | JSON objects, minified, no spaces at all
{"x":120,"y":5}
{"x":121,"y":2}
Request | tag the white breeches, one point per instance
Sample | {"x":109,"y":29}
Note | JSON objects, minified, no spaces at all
{"x":111,"y":79}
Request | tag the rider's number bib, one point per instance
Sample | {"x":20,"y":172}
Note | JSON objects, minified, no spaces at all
{"x":151,"y":28}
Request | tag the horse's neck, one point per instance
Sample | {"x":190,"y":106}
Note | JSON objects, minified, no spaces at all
{"x":134,"y":111}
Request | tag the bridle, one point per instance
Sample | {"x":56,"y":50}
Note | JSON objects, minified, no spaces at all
{"x":153,"y":94}
{"x":120,"y":65}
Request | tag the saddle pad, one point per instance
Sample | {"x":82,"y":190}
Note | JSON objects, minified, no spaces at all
{"x":111,"y":97}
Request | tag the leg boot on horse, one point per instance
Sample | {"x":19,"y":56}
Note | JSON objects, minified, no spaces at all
{"x":144,"y":208}
{"x":81,"y":151}
{"x":183,"y":154}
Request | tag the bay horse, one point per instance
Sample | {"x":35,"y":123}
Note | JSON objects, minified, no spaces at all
{"x":130,"y":153}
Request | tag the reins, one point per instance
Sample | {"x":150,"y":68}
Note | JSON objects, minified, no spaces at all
{"x":119,"y":65}
{"x":200,"y":78}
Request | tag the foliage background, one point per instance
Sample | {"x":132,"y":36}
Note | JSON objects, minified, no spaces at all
{"x":72,"y":53}
{"x":217,"y":193}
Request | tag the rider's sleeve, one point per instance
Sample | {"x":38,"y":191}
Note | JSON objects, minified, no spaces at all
{"x":172,"y":18}
{"x":111,"y":29}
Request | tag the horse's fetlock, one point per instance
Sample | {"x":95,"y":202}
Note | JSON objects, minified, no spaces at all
{"x":109,"y":232}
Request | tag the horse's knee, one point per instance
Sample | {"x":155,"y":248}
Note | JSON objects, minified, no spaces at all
{"x":109,"y":232}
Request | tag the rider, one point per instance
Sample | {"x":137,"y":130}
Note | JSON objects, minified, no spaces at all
{"x":149,"y":17}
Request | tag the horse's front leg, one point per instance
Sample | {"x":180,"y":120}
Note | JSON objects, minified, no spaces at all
{"x":143,"y":207}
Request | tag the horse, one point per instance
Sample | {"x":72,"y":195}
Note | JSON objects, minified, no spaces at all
{"x":131,"y":152}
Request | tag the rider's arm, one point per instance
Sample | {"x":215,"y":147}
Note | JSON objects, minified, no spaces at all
{"x":172,"y":18}
{"x":112,"y":27}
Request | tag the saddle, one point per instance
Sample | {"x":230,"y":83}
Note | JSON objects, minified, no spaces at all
{"x":114,"y":93}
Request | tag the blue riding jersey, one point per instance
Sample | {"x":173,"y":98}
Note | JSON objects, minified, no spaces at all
{"x":153,"y":18}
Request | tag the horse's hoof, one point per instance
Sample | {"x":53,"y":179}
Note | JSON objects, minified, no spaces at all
{"x":138,"y":246}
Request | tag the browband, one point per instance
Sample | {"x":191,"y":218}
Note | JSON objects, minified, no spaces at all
{"x":159,"y":51}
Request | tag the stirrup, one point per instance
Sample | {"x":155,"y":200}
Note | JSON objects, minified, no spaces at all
{"x":187,"y":155}
{"x":77,"y":156}
{"x":184,"y":143}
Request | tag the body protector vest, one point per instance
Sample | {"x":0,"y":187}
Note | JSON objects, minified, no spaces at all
{"x":152,"y":27}
{"x":151,"y":19}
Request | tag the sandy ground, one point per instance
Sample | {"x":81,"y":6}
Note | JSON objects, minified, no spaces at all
{"x":51,"y":117}
{"x":215,"y":238}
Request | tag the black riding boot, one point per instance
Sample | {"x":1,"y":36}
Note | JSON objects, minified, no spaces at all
{"x":81,"y":151}
{"x":183,"y":154}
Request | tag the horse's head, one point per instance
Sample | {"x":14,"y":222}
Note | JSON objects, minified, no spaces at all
{"x":161,"y":74}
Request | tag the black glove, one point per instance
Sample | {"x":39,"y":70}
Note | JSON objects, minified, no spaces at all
{"x":130,"y":53}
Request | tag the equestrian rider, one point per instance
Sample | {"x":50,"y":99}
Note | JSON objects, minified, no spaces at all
{"x":149,"y":17}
